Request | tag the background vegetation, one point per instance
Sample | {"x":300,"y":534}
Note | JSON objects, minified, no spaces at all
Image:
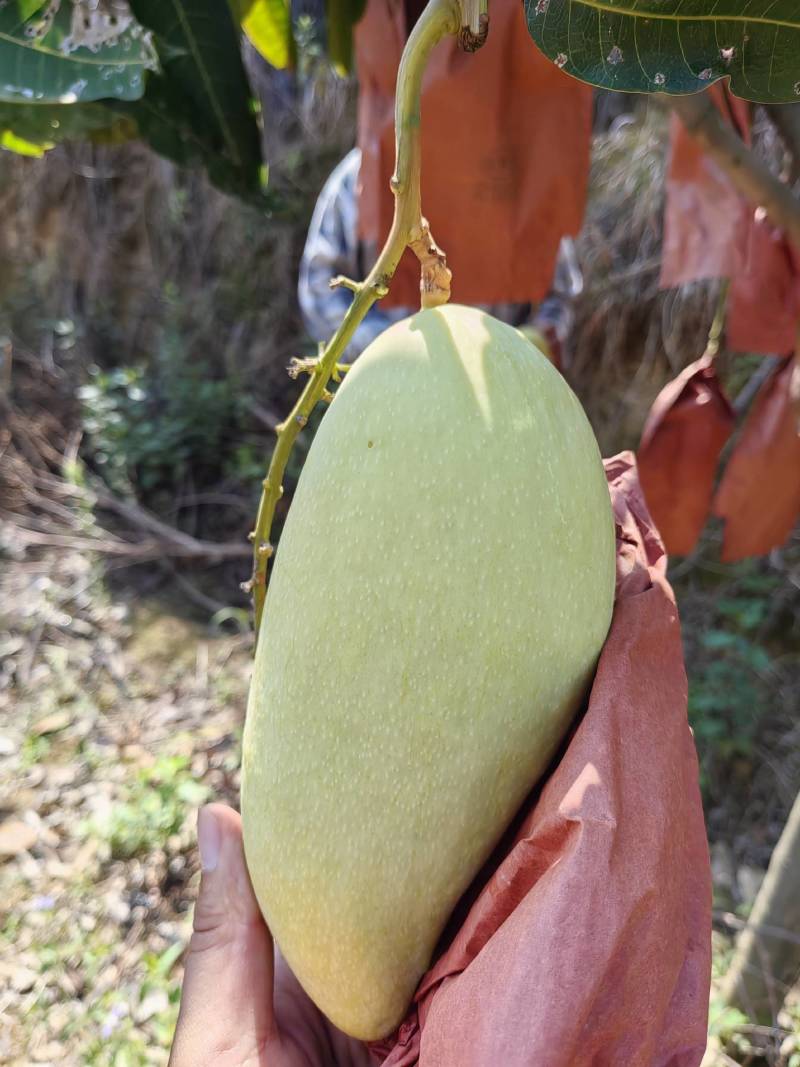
{"x":146,"y":321}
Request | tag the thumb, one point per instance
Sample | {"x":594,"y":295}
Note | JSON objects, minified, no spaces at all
{"x":226,"y":907}
{"x":227,"y":999}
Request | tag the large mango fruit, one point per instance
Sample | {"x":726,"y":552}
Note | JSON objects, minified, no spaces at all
{"x":441,"y":593}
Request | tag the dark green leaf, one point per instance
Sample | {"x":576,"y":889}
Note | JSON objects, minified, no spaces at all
{"x":56,"y":59}
{"x":674,"y":46}
{"x":341,"y":17}
{"x":199,"y":109}
{"x":716,"y":639}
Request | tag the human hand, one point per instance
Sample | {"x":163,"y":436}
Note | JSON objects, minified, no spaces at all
{"x":241,"y":1006}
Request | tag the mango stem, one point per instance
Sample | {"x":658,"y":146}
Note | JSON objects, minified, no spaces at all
{"x":439,"y":19}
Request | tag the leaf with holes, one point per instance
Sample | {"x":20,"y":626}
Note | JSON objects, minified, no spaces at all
{"x":198,"y":109}
{"x":47,"y":55}
{"x":268,"y":25}
{"x":341,"y":16}
{"x":674,"y":46}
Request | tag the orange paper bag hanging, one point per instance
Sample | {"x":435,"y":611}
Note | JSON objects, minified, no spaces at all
{"x":587,"y":938}
{"x":505,"y":155}
{"x":711,"y":231}
{"x":706,"y":221}
{"x":685,"y":432}
{"x":764,"y":308}
{"x":759,"y":496}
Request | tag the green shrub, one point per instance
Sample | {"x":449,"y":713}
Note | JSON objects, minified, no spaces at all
{"x":153,"y":808}
{"x":732,"y":678}
{"x":148,"y":428}
{"x":724,"y":698}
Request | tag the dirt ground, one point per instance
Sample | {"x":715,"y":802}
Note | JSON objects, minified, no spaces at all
{"x":119,"y":718}
{"x":115,"y":725}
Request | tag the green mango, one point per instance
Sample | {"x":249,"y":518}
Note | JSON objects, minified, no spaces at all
{"x":442,"y":590}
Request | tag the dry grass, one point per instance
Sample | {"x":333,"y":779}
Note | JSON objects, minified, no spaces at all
{"x":630,"y":337}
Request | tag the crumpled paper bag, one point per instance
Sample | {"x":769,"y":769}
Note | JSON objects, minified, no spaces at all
{"x":586,"y":939}
{"x":686,"y":430}
{"x":759,"y":495}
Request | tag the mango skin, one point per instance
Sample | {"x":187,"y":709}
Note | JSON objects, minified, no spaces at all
{"x":442,"y":590}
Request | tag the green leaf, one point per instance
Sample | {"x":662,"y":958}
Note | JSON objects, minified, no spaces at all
{"x":167,"y":960}
{"x":11,"y":143}
{"x":198,"y":109}
{"x":268,"y":25}
{"x":717,"y":639}
{"x":50,"y":58}
{"x":674,"y":46}
{"x":41,"y":126}
{"x":723,"y":1020}
{"x":27,"y":8}
{"x":341,"y":16}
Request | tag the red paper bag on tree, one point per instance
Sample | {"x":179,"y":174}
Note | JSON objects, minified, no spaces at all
{"x":764,"y":298}
{"x":759,"y":496}
{"x":505,"y":155}
{"x":706,"y":221}
{"x":711,"y":231}
{"x":586,"y":940}
{"x":685,"y":432}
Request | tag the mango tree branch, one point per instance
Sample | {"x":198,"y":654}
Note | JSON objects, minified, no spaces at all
{"x":749,"y":175}
{"x":439,"y":19}
{"x":786,"y":118}
{"x":767,"y":954}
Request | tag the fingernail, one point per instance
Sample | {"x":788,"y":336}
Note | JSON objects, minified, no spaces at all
{"x":209,"y":839}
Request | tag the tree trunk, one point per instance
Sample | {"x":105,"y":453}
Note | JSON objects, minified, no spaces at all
{"x":767,"y":958}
